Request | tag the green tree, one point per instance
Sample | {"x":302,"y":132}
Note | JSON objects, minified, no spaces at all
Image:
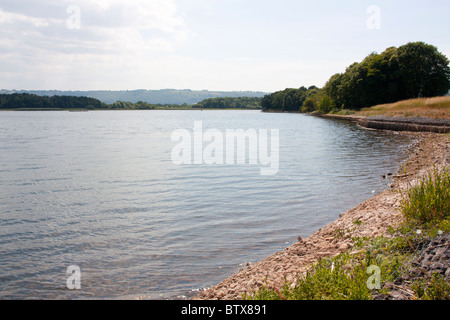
{"x":290,"y":99}
{"x":326,"y":104}
{"x":309,"y":105}
{"x":424,"y":70}
{"x":333,"y":89}
{"x":410,"y":71}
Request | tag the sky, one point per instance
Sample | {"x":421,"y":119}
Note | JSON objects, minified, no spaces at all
{"x":226,"y":45}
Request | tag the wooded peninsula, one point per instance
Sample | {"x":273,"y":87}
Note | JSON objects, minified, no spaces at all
{"x":413,"y":70}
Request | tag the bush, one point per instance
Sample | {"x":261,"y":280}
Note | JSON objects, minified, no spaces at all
{"x":326,"y":105}
{"x":309,"y":106}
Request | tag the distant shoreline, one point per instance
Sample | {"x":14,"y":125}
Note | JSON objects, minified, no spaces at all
{"x":162,"y":96}
{"x":162,"y":109}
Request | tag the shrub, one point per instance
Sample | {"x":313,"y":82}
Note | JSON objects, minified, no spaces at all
{"x":326,"y":105}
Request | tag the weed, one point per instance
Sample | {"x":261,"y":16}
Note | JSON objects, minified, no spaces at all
{"x":429,"y":201}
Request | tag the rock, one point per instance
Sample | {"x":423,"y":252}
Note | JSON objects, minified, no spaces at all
{"x":437,"y":266}
{"x":323,"y":254}
{"x":396,"y":295}
{"x":381,"y":297}
{"x":245,"y":265}
{"x":440,"y":252}
{"x":300,"y":239}
{"x":415,"y":272}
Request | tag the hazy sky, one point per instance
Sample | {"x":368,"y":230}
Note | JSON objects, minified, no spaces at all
{"x":203,"y":44}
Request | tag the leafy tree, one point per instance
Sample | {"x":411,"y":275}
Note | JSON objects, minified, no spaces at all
{"x":410,"y":71}
{"x":333,"y":89}
{"x":229,"y":103}
{"x":326,"y":104}
{"x":289,"y":100}
{"x":424,"y":70}
{"x":309,"y":105}
{"x":32,"y":101}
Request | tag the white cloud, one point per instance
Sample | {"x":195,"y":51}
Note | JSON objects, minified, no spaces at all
{"x":12,"y":18}
{"x":151,"y":26}
{"x":38,"y":45}
{"x":198,"y":44}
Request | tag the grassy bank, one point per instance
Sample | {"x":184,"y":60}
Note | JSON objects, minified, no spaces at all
{"x":438,"y":107}
{"x":400,"y":266}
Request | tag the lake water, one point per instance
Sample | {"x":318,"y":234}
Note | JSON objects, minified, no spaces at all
{"x":99,"y":190}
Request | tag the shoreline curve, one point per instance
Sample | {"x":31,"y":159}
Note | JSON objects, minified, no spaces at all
{"x":375,"y":215}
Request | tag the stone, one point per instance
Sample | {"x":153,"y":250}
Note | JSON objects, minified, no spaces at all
{"x":437,"y":266}
{"x":415,"y":272}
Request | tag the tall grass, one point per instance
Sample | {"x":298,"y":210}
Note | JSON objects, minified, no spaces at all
{"x":428,"y":201}
{"x":438,"y":107}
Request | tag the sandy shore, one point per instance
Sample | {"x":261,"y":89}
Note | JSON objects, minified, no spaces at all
{"x":375,"y":216}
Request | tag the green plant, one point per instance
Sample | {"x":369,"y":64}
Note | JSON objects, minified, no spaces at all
{"x":429,"y":200}
{"x":339,"y":233}
{"x":437,"y":288}
{"x":339,"y":278}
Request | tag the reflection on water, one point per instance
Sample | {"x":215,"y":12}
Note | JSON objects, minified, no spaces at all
{"x":99,"y":190}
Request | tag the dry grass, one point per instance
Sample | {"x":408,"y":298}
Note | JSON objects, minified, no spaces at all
{"x":438,"y":107}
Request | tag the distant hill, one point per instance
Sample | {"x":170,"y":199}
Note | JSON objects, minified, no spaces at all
{"x":165,"y":96}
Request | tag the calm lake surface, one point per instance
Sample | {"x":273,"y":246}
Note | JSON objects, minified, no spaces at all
{"x":99,"y":190}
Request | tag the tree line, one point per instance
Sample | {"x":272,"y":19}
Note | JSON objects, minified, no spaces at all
{"x":229,"y":103}
{"x":33,"y":101}
{"x":290,"y":100}
{"x":410,"y":71}
{"x":157,"y":97}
